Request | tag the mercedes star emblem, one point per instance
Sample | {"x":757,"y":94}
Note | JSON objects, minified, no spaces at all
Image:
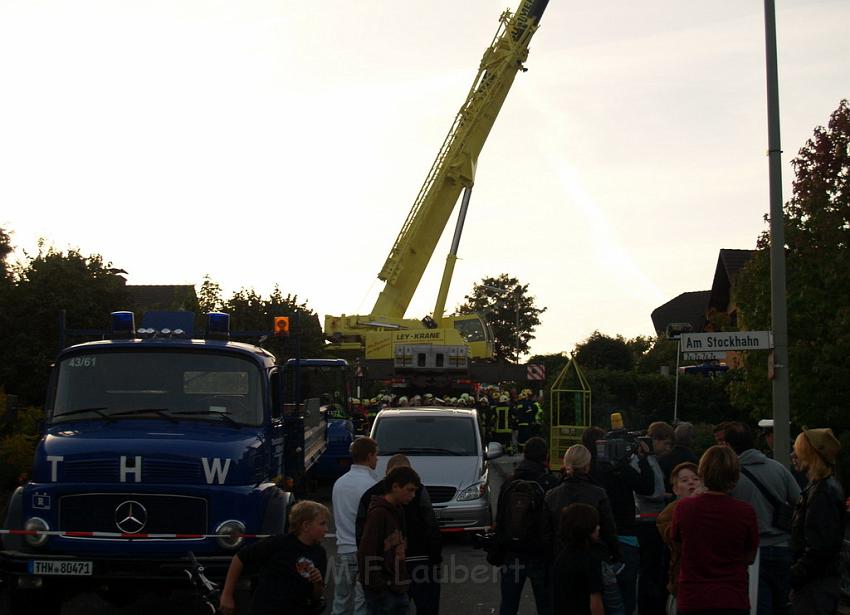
{"x":130,"y":517}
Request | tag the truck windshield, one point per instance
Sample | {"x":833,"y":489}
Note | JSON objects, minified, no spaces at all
{"x":425,"y":435}
{"x":156,"y":384}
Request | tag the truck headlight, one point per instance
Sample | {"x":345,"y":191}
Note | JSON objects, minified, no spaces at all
{"x":39,"y":525}
{"x":473,"y":492}
{"x":234,"y":530}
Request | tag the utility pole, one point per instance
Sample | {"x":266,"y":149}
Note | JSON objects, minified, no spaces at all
{"x":779,"y":320}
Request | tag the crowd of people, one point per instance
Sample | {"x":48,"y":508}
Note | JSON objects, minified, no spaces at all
{"x":660,"y":532}
{"x":652,"y":531}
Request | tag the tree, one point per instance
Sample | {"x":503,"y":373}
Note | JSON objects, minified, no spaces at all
{"x":209,"y":296}
{"x":600,"y":351}
{"x":510,"y":311}
{"x":817,"y":236}
{"x":661,"y":353}
{"x":84,"y":286}
{"x":5,"y":250}
{"x":249,"y":311}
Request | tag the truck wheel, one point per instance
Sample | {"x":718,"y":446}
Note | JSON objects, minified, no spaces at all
{"x":31,"y":601}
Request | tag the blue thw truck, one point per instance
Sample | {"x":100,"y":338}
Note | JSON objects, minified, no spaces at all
{"x":155,"y":445}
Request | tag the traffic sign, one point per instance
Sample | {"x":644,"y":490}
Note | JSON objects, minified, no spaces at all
{"x":726,"y":340}
{"x":536,"y":371}
{"x":703,"y":356}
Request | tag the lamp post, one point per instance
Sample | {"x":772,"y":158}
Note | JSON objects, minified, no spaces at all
{"x":778,"y":309}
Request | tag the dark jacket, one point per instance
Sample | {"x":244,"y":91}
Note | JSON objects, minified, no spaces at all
{"x":817,"y":532}
{"x":281,"y":586}
{"x":537,"y":472}
{"x":580,"y":489}
{"x":621,"y":481}
{"x":380,"y":552}
{"x":424,"y":543}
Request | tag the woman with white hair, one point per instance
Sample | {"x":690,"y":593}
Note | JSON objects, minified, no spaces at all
{"x":578,"y":487}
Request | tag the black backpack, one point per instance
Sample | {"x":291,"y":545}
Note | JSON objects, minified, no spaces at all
{"x":520,"y":514}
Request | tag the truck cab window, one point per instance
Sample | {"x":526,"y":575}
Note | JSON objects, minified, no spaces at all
{"x":184,"y":385}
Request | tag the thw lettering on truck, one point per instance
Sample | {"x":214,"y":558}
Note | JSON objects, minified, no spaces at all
{"x":215,"y":469}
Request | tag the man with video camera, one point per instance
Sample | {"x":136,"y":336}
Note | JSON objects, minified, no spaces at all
{"x":611,"y":467}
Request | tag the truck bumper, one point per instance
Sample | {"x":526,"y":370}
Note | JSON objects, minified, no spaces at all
{"x":16,"y":565}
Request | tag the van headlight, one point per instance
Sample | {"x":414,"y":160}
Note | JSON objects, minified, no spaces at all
{"x":473,"y":492}
{"x":37,"y":524}
{"x":234,"y":530}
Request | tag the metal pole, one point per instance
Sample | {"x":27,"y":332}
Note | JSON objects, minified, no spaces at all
{"x":516,"y":330}
{"x":676,"y":393}
{"x":779,"y":324}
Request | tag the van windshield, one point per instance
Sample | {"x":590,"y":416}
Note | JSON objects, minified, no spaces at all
{"x":426,"y":435}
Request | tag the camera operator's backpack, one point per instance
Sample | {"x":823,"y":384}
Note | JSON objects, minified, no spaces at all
{"x":519,"y":515}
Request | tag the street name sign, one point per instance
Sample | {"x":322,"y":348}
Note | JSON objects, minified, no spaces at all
{"x":726,"y":340}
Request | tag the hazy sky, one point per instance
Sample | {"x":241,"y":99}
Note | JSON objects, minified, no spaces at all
{"x":284,"y":142}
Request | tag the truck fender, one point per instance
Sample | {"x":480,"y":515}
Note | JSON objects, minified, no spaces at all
{"x":14,"y":521}
{"x":276,"y":516}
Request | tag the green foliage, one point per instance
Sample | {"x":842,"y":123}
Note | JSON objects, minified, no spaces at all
{"x":643,"y":398}
{"x":249,"y":311}
{"x":511,"y":312}
{"x":5,"y":250}
{"x":84,"y":286}
{"x":817,"y":236}
{"x":17,"y":444}
{"x":209,"y":296}
{"x":600,"y":351}
{"x":661,"y":353}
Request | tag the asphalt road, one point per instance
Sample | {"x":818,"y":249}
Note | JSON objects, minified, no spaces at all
{"x":471,"y":585}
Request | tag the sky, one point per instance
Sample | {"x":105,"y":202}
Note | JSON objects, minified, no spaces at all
{"x":269,"y":143}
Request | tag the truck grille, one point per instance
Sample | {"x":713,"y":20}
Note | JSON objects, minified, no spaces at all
{"x":440,"y":494}
{"x":96,"y":512}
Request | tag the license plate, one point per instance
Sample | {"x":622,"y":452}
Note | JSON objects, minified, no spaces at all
{"x":60,"y":568}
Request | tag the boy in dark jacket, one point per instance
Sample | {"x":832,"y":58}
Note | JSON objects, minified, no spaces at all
{"x":424,"y":544}
{"x":292,"y":567}
{"x":381,"y":551}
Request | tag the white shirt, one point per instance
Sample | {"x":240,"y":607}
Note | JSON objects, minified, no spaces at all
{"x":345,"y":499}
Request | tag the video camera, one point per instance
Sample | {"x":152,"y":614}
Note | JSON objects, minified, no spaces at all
{"x":619,"y":443}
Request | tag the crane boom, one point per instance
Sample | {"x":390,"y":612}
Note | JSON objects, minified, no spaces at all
{"x":440,"y":343}
{"x":454,"y":168}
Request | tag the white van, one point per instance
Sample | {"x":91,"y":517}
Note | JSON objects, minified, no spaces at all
{"x":445,"y":448}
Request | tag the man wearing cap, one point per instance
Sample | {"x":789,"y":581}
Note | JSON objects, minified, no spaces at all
{"x":817,"y":533}
{"x":761,"y":476}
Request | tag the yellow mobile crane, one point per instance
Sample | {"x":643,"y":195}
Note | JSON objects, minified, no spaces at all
{"x":438,"y":341}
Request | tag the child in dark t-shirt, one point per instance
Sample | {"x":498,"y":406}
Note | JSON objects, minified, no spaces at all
{"x":291,"y":567}
{"x":577,"y":573}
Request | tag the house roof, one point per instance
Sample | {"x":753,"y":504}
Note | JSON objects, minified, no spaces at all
{"x":687,"y":307}
{"x":729,"y":262}
{"x":162,"y":296}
